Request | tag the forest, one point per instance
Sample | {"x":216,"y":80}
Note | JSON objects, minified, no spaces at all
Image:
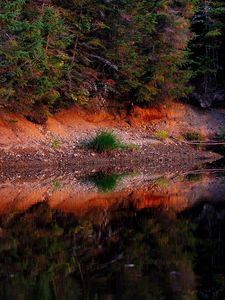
{"x":112,"y":144}
{"x":55,"y":53}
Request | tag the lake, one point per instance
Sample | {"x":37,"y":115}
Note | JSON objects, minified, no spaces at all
{"x":113,"y":236}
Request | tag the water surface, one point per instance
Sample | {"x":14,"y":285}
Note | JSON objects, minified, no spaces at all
{"x":114,"y":236}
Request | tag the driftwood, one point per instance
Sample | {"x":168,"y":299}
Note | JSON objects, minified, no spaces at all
{"x":204,"y":171}
{"x":105,"y":62}
{"x":205,"y":143}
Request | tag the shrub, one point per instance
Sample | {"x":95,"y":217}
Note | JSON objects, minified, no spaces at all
{"x":56,"y":185}
{"x":105,"y":141}
{"x":193,"y":136}
{"x":194,"y":177}
{"x":162,"y":182}
{"x":13,"y":121}
{"x":55,"y":143}
{"x":219,"y":137}
{"x":133,"y":147}
{"x":161,"y":135}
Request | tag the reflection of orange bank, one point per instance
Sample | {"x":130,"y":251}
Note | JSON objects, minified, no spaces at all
{"x":79,"y":199}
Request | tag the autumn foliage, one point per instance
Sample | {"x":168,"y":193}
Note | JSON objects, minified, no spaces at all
{"x":54,"y":53}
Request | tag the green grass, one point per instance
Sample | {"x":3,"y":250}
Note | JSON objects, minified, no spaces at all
{"x":56,"y":185}
{"x":161,"y":135}
{"x":162,"y":182}
{"x":55,"y":144}
{"x":194,"y":177}
{"x":219,"y":137}
{"x":105,"y":141}
{"x":133,"y":147}
{"x":193,"y":136}
{"x":13,"y":121}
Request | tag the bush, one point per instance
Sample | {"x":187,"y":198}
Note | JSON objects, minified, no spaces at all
{"x":193,"y":136}
{"x":105,"y":141}
{"x":161,"y":135}
{"x":55,"y":144}
{"x":219,"y":137}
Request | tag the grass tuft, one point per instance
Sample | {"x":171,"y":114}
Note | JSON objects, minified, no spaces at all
{"x":13,"y":121}
{"x":193,"y":136}
{"x":133,"y":147}
{"x":105,"y":141}
{"x":55,"y":144}
{"x":56,"y":185}
{"x":161,"y":135}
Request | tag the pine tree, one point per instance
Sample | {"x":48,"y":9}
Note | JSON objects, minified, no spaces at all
{"x":54,"y":52}
{"x":32,"y":40}
{"x":208,"y":47}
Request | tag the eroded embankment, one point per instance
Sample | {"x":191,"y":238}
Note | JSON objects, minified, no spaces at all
{"x":25,"y":145}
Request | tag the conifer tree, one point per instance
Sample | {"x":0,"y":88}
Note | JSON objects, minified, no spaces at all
{"x":208,"y":49}
{"x":32,"y":40}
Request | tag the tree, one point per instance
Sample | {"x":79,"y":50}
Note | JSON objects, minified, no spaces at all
{"x":208,"y":49}
{"x":32,"y":42}
{"x":56,"y":52}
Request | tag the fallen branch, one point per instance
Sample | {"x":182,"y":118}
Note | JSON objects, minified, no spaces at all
{"x":205,"y":143}
{"x":105,"y":62}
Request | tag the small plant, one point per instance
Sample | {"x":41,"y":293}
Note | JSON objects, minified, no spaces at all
{"x":193,"y":136}
{"x":56,"y":185}
{"x":55,"y":144}
{"x":133,"y":147}
{"x":219,"y":137}
{"x":194,"y":177}
{"x":13,"y":121}
{"x":162,"y":182}
{"x":161,"y":135}
{"x":105,"y":141}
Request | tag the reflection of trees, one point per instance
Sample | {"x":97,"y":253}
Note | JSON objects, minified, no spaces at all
{"x":36,"y":254}
{"x":137,"y":254}
{"x":159,"y":246}
{"x":209,"y":218}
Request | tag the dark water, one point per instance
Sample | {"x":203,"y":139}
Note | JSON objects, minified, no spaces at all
{"x":163,"y":239}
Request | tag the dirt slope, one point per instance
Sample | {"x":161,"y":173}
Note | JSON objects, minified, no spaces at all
{"x":78,"y":122}
{"x":24,"y":141}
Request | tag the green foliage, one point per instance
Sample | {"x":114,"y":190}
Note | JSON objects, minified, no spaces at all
{"x":193,"y":136}
{"x":194,"y":177}
{"x":132,"y":147}
{"x":105,"y":141}
{"x":55,"y":143}
{"x":207,"y":47}
{"x":219,"y":137}
{"x":32,"y":44}
{"x":13,"y":121}
{"x":60,"y":52}
{"x":162,"y":182}
{"x":57,"y":53}
{"x":56,"y":185}
{"x":161,"y":135}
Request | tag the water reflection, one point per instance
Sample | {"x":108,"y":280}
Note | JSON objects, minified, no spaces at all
{"x":124,"y":236}
{"x":106,"y":182}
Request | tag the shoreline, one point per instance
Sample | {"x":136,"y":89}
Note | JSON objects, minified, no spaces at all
{"x":26,"y":147}
{"x":155,"y":157}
